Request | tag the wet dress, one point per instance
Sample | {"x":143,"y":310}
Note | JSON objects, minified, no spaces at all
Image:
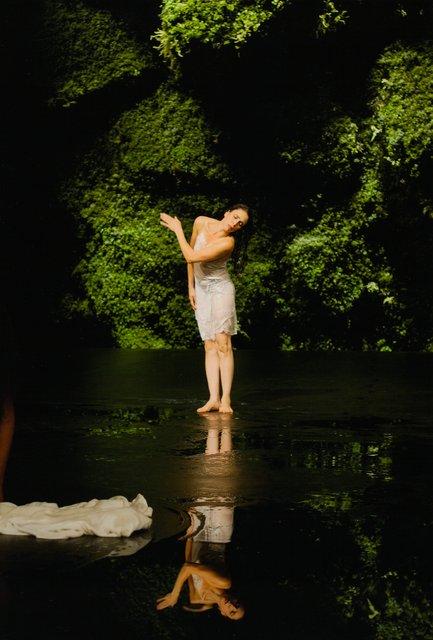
{"x":215,"y":296}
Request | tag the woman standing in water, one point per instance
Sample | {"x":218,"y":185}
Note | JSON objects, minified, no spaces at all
{"x":212,"y":295}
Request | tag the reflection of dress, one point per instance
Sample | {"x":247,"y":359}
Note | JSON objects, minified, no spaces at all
{"x":209,"y":543}
{"x":108,"y":518}
{"x":215,"y":296}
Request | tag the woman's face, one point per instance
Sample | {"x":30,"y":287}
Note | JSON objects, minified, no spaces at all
{"x":229,"y":610}
{"x":235,"y":219}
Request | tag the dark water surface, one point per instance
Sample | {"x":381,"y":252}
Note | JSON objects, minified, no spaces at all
{"x":326,"y":470}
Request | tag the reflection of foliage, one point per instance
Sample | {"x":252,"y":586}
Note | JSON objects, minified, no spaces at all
{"x":395,"y":605}
{"x":355,"y":456}
{"x":137,"y":584}
{"x":392,"y":602}
{"x":118,"y":432}
{"x":135,"y":422}
{"x":337,"y":456}
{"x":407,"y":612}
{"x":341,"y":501}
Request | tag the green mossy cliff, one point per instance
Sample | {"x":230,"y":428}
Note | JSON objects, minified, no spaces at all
{"x":318,"y":114}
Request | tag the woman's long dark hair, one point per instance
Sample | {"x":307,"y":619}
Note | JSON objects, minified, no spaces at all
{"x":239,"y":255}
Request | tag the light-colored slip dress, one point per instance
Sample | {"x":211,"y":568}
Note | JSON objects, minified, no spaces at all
{"x":215,"y":296}
{"x":209,"y":544}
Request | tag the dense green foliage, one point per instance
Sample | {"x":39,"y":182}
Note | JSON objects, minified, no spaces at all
{"x":87,"y":49}
{"x":132,"y":272}
{"x":218,"y":23}
{"x":318,"y":114}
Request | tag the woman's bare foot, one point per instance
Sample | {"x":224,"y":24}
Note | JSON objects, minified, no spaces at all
{"x":211,"y":405}
{"x":225,"y":406}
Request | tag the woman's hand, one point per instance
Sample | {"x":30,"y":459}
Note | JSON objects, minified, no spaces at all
{"x":166,"y":601}
{"x":171,"y":222}
{"x":191,"y":296}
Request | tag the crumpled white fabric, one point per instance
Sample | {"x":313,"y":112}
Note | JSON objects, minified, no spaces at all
{"x":107,"y":518}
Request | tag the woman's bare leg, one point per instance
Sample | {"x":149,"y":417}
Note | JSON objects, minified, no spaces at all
{"x":226,"y":362}
{"x":212,"y":366}
{"x":212,"y":442}
{"x":226,"y":440}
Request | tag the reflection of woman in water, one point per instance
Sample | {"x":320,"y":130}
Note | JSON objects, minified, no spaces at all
{"x":212,"y":296}
{"x":205,"y":570}
{"x":215,"y":590}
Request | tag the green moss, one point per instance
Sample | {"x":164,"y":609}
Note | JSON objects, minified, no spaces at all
{"x":168,"y":133}
{"x":332,"y":261}
{"x":402,"y":124}
{"x":345,"y":259}
{"x":331,"y":17}
{"x":372,"y":173}
{"x":86,"y":49}
{"x":338,"y":149}
{"x":132,"y":275}
{"x":218,"y":23}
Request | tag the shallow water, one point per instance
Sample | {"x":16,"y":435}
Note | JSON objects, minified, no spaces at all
{"x":327,"y":469}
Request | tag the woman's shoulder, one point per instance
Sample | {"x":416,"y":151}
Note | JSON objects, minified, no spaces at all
{"x":201,"y":222}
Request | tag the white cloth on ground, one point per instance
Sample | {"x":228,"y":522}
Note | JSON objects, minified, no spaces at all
{"x":107,"y":518}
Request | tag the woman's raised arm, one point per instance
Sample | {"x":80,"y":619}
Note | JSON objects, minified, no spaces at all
{"x":219,"y":249}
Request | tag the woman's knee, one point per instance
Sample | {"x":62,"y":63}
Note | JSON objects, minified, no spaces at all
{"x":210,"y":346}
{"x":224,"y":343}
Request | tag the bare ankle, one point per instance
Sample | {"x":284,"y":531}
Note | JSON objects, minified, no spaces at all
{"x":210,"y":405}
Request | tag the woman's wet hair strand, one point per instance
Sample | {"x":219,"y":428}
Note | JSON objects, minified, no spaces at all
{"x":239,"y":256}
